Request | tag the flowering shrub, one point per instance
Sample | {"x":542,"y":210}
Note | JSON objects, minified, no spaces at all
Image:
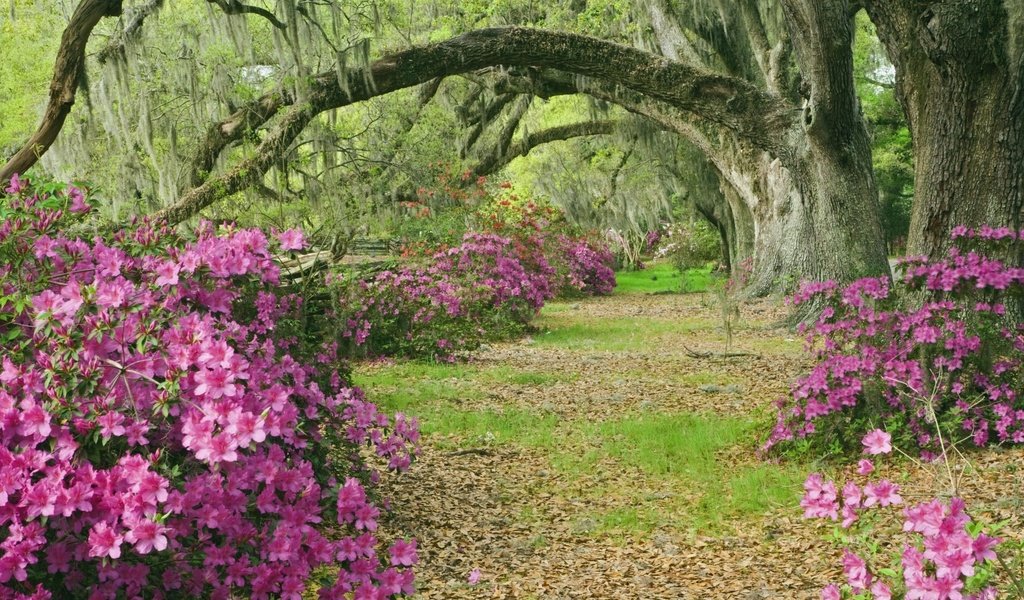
{"x":690,"y":245}
{"x":584,"y":267}
{"x":948,"y":355}
{"x":168,"y":427}
{"x":449,"y":294}
{"x":946,"y":556}
{"x":487,"y":286}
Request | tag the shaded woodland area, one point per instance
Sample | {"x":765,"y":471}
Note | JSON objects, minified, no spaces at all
{"x":763,"y":115}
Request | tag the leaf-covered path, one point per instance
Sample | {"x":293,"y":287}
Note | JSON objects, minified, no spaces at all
{"x":601,"y":459}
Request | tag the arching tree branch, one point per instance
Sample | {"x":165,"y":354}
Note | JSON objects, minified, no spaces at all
{"x":524,"y":145}
{"x":234,"y":7}
{"x":67,"y":73}
{"x":758,"y":117}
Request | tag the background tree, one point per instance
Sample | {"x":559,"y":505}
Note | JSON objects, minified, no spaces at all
{"x":760,"y":89}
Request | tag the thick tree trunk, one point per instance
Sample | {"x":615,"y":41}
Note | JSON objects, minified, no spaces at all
{"x":960,"y":79}
{"x":813,"y":219}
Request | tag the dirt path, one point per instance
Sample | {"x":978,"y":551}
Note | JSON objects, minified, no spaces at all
{"x":574,"y":515}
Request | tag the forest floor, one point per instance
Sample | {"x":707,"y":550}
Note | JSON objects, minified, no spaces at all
{"x":605,"y":456}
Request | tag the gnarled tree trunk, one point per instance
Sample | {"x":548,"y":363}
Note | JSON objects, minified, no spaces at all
{"x":960,"y":79}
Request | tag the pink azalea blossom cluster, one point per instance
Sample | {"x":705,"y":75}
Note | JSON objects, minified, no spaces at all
{"x":956,"y":355}
{"x":587,"y":267}
{"x":483,"y":287}
{"x":946,"y":557}
{"x":166,"y":424}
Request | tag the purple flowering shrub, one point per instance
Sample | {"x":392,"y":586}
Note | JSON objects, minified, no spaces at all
{"x":167,"y":427}
{"x":938,"y":347}
{"x":488,"y":286}
{"x":944,"y":553}
{"x":584,"y":267}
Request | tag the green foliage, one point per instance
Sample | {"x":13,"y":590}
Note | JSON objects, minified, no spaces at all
{"x":691,"y":245}
{"x":892,"y":151}
{"x":28,"y":47}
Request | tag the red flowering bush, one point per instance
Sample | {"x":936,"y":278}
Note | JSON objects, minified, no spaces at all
{"x":169,"y":426}
{"x":936,"y":348}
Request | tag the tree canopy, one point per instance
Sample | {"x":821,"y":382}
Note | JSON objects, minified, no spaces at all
{"x":785,"y":123}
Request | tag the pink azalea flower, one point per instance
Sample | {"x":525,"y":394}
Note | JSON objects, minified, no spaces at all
{"x":104,"y":541}
{"x":881,"y":591}
{"x":167,"y":273}
{"x":147,"y":536}
{"x":984,"y":547}
{"x":820,"y":498}
{"x":111,"y":424}
{"x":77,"y":198}
{"x":215,"y":383}
{"x":403,"y":553}
{"x":882,"y":493}
{"x":16,"y":184}
{"x":292,"y":239}
{"x":865,"y":467}
{"x":877,"y":442}
{"x":831,"y":592}
{"x":474,"y":577}
{"x":34,"y":421}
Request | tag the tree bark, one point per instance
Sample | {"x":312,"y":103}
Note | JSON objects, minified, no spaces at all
{"x":960,"y":80}
{"x":805,"y":176}
{"x":68,"y":72}
{"x":732,"y":103}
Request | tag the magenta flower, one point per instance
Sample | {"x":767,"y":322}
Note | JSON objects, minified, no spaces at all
{"x":831,"y":592}
{"x":77,"y":197}
{"x":882,"y":493}
{"x":820,"y":498}
{"x":403,"y":553}
{"x":865,"y":467}
{"x":104,"y":541}
{"x":877,"y":442}
{"x":292,"y":239}
{"x":856,"y":571}
{"x":474,"y":577}
{"x":147,"y":536}
{"x":16,"y":184}
{"x":881,"y":591}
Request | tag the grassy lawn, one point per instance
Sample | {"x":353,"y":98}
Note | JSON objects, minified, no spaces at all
{"x":661,"y":278}
{"x":638,"y":473}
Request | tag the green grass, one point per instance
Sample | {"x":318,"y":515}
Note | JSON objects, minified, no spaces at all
{"x":474,"y":428}
{"x":689,"y":483}
{"x":415,"y":387}
{"x":660,"y":278}
{"x":436,"y":395}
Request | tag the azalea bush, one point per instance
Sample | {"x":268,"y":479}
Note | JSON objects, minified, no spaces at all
{"x":691,"y":245}
{"x":170,"y":427}
{"x":941,"y":553}
{"x":447,"y":298}
{"x":583,"y":267}
{"x":486,"y":287}
{"x":935,"y":353}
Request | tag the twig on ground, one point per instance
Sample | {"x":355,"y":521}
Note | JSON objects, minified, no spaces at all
{"x":695,"y":354}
